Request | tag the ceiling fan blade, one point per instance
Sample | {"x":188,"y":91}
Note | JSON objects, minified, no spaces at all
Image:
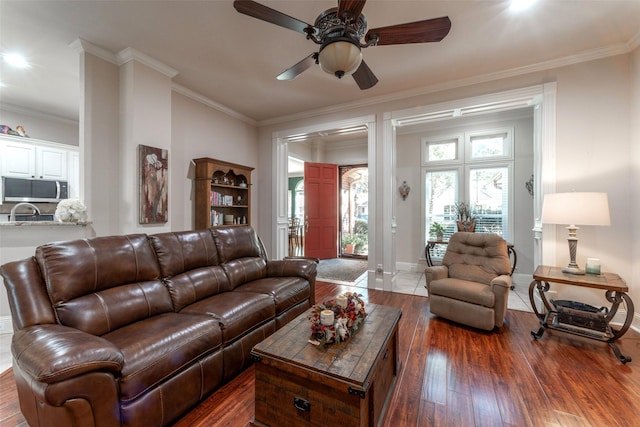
{"x":293,"y":72}
{"x":364,"y":77}
{"x":430,"y":30}
{"x":355,"y":6}
{"x":256,"y":10}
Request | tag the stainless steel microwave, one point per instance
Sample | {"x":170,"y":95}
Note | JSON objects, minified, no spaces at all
{"x":33,"y":190}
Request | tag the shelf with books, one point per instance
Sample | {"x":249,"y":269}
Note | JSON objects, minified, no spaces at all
{"x":223,"y":193}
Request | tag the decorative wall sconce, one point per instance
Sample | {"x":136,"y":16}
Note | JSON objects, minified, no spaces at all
{"x":529,"y":185}
{"x":404,"y":190}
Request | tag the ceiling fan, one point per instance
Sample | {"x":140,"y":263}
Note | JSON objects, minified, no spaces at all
{"x":342,"y":33}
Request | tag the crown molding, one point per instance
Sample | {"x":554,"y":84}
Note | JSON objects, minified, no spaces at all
{"x":586,"y":56}
{"x":634,"y":42}
{"x":125,"y":55}
{"x":130,"y":54}
{"x":212,"y":104}
{"x":82,"y":46}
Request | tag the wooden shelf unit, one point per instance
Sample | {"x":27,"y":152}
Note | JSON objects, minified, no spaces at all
{"x":220,"y":191}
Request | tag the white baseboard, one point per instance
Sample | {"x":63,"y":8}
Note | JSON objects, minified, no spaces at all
{"x":410,"y":267}
{"x":6,"y":325}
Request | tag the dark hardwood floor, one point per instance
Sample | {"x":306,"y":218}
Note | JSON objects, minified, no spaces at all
{"x":452,"y":375}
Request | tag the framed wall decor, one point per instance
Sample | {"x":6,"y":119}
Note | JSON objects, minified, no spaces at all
{"x":153,"y":168}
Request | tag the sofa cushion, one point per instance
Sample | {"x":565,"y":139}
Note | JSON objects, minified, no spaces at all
{"x":285,"y":291}
{"x":243,"y":270}
{"x":237,"y":242}
{"x":100,"y":284}
{"x":184,"y":250}
{"x":463,"y":290}
{"x":237,"y":312}
{"x":194,"y":285}
{"x":190,"y":266}
{"x":154,"y":349}
{"x":101,"y":312}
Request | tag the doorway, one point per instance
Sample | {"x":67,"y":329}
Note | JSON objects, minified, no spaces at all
{"x":354,"y":211}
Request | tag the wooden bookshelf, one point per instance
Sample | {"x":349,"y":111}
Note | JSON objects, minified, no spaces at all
{"x":223,"y":193}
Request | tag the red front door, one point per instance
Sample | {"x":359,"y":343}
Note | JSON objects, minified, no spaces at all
{"x":321,"y":210}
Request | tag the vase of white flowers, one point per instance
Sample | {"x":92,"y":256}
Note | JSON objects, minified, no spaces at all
{"x":71,"y":210}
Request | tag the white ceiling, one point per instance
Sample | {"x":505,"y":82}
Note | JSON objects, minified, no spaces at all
{"x":233,"y":59}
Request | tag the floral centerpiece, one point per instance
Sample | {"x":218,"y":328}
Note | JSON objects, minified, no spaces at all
{"x":337,"y":319}
{"x":70,"y":210}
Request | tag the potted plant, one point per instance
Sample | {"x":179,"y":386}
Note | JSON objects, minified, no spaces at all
{"x":466,"y":220}
{"x":348,"y":243}
{"x":359,"y":240}
{"x":437,"y":230}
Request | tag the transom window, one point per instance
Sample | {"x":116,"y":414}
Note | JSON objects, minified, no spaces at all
{"x":475,"y":168}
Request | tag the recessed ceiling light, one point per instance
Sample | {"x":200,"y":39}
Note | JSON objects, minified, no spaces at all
{"x":16,"y":60}
{"x":518,"y":5}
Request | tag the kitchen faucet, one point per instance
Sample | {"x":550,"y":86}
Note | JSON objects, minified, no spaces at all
{"x":12,"y":215}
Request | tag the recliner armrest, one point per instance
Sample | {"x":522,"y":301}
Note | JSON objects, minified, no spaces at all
{"x":51,"y":353}
{"x":435,"y":273}
{"x":503,"y":281}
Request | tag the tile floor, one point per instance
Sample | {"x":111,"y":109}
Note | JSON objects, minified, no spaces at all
{"x":406,"y":282}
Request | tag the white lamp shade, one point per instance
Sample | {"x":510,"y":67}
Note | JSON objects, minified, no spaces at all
{"x":576,"y":209}
{"x":340,"y":58}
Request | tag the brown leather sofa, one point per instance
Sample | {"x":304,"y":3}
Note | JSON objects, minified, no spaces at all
{"x":135,"y":330}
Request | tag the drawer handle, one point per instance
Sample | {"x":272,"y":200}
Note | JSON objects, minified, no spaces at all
{"x":301,"y":404}
{"x":386,"y":354}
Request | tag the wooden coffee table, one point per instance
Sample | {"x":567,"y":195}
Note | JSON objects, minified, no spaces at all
{"x":346,"y":384}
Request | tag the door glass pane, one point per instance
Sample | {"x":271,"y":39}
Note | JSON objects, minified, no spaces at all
{"x":354,"y":211}
{"x":441,"y":194}
{"x":488,"y":194}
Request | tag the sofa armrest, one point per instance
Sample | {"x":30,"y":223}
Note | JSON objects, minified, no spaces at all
{"x":52,"y":353}
{"x":435,"y":273}
{"x":303,"y":267}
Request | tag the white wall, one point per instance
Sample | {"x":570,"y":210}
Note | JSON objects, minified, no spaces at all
{"x":201,"y":131}
{"x":41,"y":126}
{"x":100,"y":142}
{"x":410,"y":248}
{"x":593,"y":146}
{"x":634,"y":205}
{"x":145,"y":119}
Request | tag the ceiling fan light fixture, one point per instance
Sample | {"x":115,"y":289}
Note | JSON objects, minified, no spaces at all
{"x":340,"y":57}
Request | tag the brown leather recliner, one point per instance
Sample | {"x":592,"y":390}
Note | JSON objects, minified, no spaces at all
{"x":472,"y":284}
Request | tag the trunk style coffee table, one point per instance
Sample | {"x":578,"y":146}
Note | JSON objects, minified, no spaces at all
{"x":345,"y":384}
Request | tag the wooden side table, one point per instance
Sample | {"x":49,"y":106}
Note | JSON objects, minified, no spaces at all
{"x":580,"y":319}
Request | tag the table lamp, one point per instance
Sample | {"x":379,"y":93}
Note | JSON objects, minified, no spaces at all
{"x":572,"y":209}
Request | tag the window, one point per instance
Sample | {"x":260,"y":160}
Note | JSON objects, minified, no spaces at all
{"x":489,"y":145}
{"x":445,"y":149}
{"x":478,"y":172}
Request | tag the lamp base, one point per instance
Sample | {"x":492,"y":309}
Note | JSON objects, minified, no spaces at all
{"x":573,"y":270}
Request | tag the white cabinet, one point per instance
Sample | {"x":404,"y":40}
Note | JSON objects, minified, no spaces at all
{"x":34,"y":159}
{"x":51,"y":163}
{"x":18,"y":159}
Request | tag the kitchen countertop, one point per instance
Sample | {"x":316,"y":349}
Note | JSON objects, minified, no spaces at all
{"x":42,"y":223}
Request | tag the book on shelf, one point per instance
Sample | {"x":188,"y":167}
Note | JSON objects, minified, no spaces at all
{"x":219,"y":199}
{"x":217,"y":218}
